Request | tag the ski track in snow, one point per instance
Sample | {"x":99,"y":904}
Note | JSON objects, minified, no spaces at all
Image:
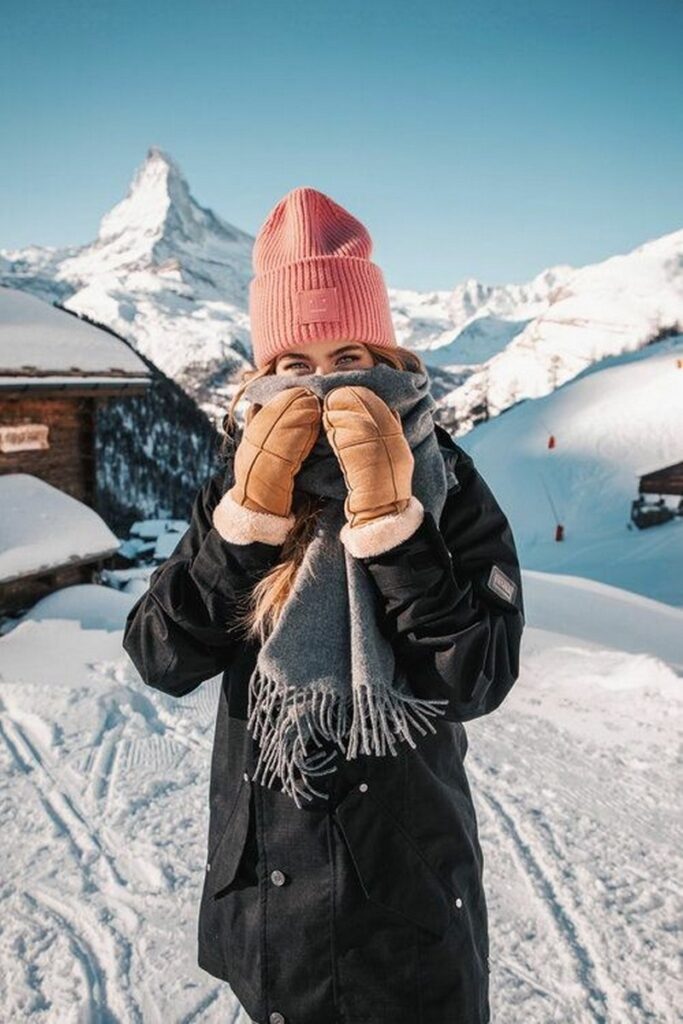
{"x":573,"y":841}
{"x":96,"y":1001}
{"x":94,"y":925}
{"x":104,"y":813}
{"x":570,"y":928}
{"x":86,"y":849}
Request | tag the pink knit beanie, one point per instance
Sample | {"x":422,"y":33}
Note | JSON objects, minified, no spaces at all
{"x":314,"y":279}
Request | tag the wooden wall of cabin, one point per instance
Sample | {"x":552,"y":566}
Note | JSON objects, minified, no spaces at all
{"x":69,"y":461}
{"x":20,"y":595}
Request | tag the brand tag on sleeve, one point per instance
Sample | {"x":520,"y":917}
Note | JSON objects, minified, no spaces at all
{"x":501,"y":584}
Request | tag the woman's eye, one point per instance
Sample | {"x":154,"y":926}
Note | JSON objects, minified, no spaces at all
{"x":305,"y":368}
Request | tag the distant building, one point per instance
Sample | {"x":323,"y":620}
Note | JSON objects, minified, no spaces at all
{"x":55,"y":369}
{"x":81,"y":409}
{"x":668,"y":480}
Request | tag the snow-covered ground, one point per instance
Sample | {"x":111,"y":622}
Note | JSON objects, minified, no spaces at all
{"x":104,"y":812}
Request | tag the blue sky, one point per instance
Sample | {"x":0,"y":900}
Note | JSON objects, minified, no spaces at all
{"x":473,"y":138}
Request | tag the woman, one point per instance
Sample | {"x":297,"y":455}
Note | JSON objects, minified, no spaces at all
{"x":354,"y":580}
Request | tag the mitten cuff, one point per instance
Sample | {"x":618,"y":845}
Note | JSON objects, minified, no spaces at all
{"x":241,"y":525}
{"x":384,"y":533}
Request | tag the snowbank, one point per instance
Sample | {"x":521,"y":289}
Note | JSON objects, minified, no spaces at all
{"x":604,"y":615}
{"x":43,"y":528}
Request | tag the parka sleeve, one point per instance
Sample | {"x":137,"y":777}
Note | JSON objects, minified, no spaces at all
{"x":178,"y":633}
{"x":451,"y":597}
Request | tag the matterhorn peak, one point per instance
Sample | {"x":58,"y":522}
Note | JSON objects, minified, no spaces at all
{"x":160,"y":174}
{"x":158,"y":195}
{"x":159,"y":219}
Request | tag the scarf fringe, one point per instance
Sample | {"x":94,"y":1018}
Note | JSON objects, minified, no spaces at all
{"x":285,"y":720}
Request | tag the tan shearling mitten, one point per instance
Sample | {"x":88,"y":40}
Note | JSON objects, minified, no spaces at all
{"x":275,"y":442}
{"x":377,"y":462}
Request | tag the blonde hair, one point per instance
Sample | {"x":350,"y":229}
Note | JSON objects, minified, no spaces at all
{"x":258,"y":613}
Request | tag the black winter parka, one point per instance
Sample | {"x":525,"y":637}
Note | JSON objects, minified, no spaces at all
{"x":366,"y":907}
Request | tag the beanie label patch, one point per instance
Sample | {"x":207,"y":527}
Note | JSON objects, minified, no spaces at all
{"x":317,"y":305}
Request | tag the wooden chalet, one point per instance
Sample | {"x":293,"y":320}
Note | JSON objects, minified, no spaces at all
{"x":668,"y":480}
{"x":54,"y":371}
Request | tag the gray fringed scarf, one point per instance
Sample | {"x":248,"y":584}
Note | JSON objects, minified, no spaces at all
{"x":326,"y":670}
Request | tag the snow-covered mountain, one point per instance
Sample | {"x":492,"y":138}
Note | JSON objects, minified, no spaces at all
{"x":172,"y":277}
{"x":474,"y":321}
{"x":605,"y":309}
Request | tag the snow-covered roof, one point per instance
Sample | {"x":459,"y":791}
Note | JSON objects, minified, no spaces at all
{"x":42,"y":528}
{"x":51,"y":381}
{"x":37,"y":338}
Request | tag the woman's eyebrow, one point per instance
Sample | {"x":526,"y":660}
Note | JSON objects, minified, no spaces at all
{"x":336,"y":352}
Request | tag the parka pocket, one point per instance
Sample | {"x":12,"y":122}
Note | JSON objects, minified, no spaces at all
{"x":227,"y":853}
{"x":392,"y":870}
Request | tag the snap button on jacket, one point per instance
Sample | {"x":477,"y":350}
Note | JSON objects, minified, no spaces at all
{"x":367,"y":906}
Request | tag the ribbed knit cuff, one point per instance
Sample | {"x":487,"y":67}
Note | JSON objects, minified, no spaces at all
{"x":354,"y":287}
{"x":384,"y":533}
{"x":241,"y":525}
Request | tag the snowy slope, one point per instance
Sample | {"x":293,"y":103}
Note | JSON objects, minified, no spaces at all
{"x":104,"y":790}
{"x":613,"y":423}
